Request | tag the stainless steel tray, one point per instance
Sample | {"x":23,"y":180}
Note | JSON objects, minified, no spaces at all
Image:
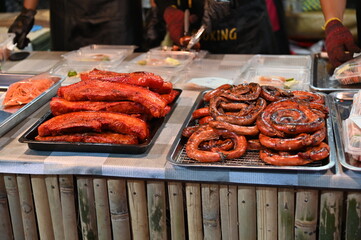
{"x":10,"y":117}
{"x":341,"y":107}
{"x":7,"y":79}
{"x":320,"y":79}
{"x":177,"y":155}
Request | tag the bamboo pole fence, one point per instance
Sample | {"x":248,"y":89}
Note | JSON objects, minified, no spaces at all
{"x":194,"y":211}
{"x":119,"y":210}
{"x":5,"y":222}
{"x":176,"y":209}
{"x":27,"y":207}
{"x":68,"y":207}
{"x":12,"y":191}
{"x":91,"y":207}
{"x":138,"y":209}
{"x":228,"y":208}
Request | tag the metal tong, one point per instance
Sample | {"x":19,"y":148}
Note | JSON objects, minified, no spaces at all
{"x":196,"y":37}
{"x":186,"y":22}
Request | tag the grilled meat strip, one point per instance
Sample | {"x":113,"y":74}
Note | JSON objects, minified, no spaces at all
{"x":60,"y":106}
{"x":144,"y":79}
{"x":81,"y":122}
{"x":112,"y":138}
{"x":97,"y":90}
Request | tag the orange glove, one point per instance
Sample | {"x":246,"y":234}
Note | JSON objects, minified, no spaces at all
{"x":340,"y":44}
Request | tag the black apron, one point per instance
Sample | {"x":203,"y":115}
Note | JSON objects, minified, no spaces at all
{"x":77,"y":23}
{"x":246,"y":30}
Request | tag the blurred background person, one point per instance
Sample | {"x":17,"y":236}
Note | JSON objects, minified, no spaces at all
{"x":154,"y":26}
{"x":77,"y":23}
{"x":233,"y":26}
{"x":339,"y":42}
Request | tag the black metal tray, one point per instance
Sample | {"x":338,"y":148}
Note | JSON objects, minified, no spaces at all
{"x":178,"y":156}
{"x":340,"y":111}
{"x":155,"y":127}
{"x":320,"y":79}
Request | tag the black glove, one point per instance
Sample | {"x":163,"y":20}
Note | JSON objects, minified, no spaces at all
{"x":215,"y":10}
{"x":22,"y":26}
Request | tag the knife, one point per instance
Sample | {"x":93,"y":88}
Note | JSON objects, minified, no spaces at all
{"x":196,"y":37}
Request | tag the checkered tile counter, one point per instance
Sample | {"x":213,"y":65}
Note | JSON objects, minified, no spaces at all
{"x":16,"y":157}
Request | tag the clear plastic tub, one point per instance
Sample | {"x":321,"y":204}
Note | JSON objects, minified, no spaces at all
{"x":128,"y":48}
{"x":352,"y":138}
{"x":349,"y":72}
{"x":193,"y":80}
{"x":281,"y":61}
{"x":214,"y":65}
{"x":198,"y":54}
{"x":356,"y":105}
{"x":101,"y":57}
{"x":161,"y":61}
{"x":6,"y":44}
{"x":292,"y":79}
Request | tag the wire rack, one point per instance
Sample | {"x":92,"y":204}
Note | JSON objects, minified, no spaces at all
{"x":250,"y":159}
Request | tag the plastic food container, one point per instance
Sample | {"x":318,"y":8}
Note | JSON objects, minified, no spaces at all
{"x":6,"y":43}
{"x":198,"y":54}
{"x":209,"y":74}
{"x":281,"y":61}
{"x":161,"y":61}
{"x":282,"y":71}
{"x":291,"y":79}
{"x":194,"y":80}
{"x":128,"y":48}
{"x":352,"y":138}
{"x":349,"y":72}
{"x":356,"y":105}
{"x":110,"y":58}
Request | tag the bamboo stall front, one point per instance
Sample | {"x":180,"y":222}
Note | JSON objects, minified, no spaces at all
{"x":88,"y":207}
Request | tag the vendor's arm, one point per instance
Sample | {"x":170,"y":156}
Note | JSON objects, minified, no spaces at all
{"x":30,"y":4}
{"x":23,"y":23}
{"x":339,"y":42}
{"x":333,"y":9}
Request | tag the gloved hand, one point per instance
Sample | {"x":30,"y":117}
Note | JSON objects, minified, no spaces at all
{"x":183,"y":42}
{"x":340,"y":44}
{"x":22,"y":26}
{"x":174,"y":19}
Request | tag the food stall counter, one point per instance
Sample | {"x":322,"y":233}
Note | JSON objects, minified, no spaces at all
{"x":101,"y":188}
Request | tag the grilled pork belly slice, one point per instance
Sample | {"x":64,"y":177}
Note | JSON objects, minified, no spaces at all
{"x":112,"y":138}
{"x":81,"y":122}
{"x":97,"y":90}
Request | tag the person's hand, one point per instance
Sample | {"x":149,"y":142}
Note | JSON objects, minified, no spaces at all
{"x":183,"y":42}
{"x":22,"y":26}
{"x":340,"y":44}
